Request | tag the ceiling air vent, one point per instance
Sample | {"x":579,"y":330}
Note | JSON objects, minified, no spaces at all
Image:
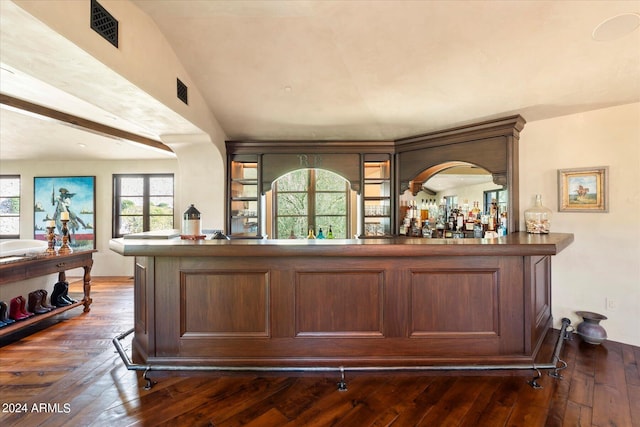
{"x":182,"y":92}
{"x":103,"y":23}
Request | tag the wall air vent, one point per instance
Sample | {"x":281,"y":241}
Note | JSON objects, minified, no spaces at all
{"x":182,"y":92}
{"x":103,"y":23}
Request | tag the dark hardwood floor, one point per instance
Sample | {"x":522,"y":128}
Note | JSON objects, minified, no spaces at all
{"x":68,"y":374}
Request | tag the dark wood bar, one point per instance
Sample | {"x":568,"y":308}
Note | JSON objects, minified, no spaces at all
{"x":386,"y":302}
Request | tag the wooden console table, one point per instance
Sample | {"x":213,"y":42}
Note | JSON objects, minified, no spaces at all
{"x":16,"y":268}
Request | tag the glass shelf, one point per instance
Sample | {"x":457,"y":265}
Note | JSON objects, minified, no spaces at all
{"x":244,"y":206}
{"x":377,"y":197}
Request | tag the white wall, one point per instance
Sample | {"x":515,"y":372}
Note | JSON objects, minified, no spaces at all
{"x":604,"y":260}
{"x":106,"y":262}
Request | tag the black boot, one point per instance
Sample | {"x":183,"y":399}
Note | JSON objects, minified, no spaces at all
{"x":56,"y":295}
{"x":65,"y":294}
{"x":4,"y":314}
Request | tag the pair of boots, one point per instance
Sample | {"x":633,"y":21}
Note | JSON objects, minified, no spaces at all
{"x":18,"y":309}
{"x":4,"y":315}
{"x":37,"y":302}
{"x":60,"y":295}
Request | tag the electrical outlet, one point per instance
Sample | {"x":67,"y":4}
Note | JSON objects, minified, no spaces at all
{"x":612,"y":304}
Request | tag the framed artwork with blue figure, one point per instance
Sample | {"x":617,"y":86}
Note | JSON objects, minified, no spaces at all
{"x":66,"y":196}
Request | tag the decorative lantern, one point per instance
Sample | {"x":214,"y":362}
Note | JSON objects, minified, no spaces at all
{"x":191,"y":222}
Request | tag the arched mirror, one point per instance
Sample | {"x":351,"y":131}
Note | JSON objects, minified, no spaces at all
{"x":454,"y":196}
{"x":491,"y":145}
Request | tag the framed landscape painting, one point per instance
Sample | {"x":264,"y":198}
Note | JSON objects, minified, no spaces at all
{"x":583,"y":189}
{"x":73,"y":194}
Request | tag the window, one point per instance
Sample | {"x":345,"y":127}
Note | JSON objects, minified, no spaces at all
{"x":10,"y":206}
{"x":500,"y":196}
{"x":311,"y":199}
{"x":142,"y":202}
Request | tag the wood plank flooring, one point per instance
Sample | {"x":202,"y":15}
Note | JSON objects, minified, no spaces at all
{"x":68,"y":374}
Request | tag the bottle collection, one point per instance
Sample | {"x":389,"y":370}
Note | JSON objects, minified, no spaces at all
{"x":432,"y":220}
{"x":320,"y":235}
{"x":21,"y":308}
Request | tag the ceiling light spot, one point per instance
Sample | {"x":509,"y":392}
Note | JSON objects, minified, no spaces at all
{"x":616,"y":27}
{"x":287,"y":89}
{"x":82,"y":145}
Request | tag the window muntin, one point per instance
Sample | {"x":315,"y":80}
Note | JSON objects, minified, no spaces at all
{"x":10,"y":206}
{"x":142,"y":202}
{"x":311,"y":199}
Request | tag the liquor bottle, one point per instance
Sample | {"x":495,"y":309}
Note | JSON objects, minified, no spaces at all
{"x":311,"y":234}
{"x":292,"y":235}
{"x":424,"y":211}
{"x":485,"y":223}
{"x":440,"y":226}
{"x":478,"y":232}
{"x":459,"y":220}
{"x":452,"y":221}
{"x":416,"y":230}
{"x":476,"y":211}
{"x":330,"y":233}
{"x":469,"y":222}
{"x":471,"y":214}
{"x":426,"y":230}
{"x":442,"y":210}
{"x":465,"y":208}
{"x":502,"y":227}
{"x":320,"y":234}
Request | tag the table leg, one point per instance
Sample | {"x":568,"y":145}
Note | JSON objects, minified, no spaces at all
{"x":87,"y":286}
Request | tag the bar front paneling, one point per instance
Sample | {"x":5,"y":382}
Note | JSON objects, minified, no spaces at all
{"x":392,"y":302}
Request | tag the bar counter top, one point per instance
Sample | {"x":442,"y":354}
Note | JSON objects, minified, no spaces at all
{"x":514,"y":244}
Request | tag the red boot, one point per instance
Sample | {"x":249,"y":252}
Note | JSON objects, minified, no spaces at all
{"x":23,"y":307}
{"x":14,"y":309}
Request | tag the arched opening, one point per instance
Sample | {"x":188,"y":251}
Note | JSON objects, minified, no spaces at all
{"x":309,"y":199}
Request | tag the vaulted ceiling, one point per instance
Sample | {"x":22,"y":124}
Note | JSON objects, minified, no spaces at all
{"x":349,"y":70}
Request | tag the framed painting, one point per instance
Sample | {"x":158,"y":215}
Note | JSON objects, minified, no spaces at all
{"x":73,"y":194}
{"x":583,"y":189}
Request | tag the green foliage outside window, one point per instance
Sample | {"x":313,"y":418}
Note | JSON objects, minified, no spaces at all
{"x":145,"y":203}
{"x":311,"y":199}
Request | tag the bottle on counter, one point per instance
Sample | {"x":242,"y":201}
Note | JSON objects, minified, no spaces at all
{"x":292,"y":235}
{"x":330,"y":233}
{"x":434,"y":211}
{"x":459,"y":220}
{"x":311,"y":234}
{"x":476,"y":211}
{"x":416,"y":229}
{"x":424,"y":211}
{"x":427,"y":232}
{"x":503,"y":224}
{"x":320,"y":234}
{"x":470,"y":222}
{"x":478,"y":231}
